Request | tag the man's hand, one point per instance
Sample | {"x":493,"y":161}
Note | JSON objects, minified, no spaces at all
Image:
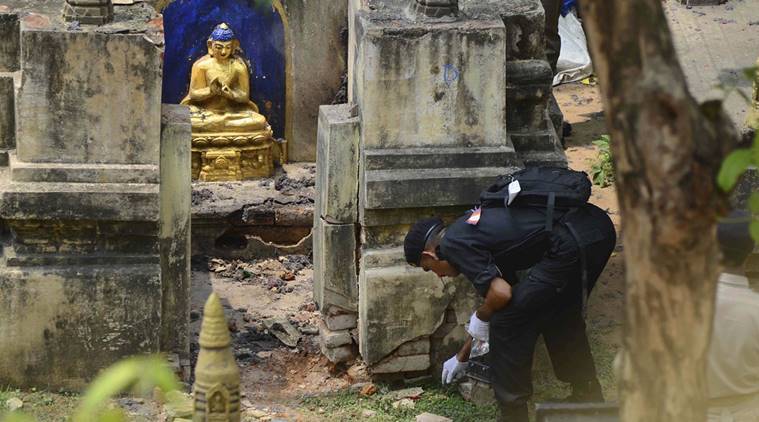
{"x":452,"y":369}
{"x":478,"y":329}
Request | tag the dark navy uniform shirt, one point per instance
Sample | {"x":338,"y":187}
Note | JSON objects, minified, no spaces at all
{"x":507,"y":240}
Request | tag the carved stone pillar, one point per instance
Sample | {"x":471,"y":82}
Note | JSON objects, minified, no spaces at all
{"x":88,"y":12}
{"x":437,"y":8}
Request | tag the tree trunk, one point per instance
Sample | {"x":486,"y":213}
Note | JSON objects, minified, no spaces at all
{"x":667,"y":151}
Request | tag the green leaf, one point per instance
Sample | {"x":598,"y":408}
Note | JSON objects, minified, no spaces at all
{"x":733,"y":167}
{"x":753,"y":228}
{"x":750,"y":72}
{"x":143,"y":371}
{"x":17,"y":417}
{"x":753,"y":203}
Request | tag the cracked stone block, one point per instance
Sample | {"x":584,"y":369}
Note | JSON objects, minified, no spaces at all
{"x":392,"y":313}
{"x":335,"y":278}
{"x":10,"y":42}
{"x":400,"y":364}
{"x":341,"y":322}
{"x":339,"y":354}
{"x":76,"y":110}
{"x":435,"y":84}
{"x":417,"y":347}
{"x":337,"y":164}
{"x":332,"y":339}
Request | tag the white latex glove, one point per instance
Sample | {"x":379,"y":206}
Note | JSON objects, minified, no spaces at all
{"x":478,"y":329}
{"x":453,"y":369}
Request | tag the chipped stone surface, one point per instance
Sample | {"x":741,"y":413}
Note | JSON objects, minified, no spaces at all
{"x":332,"y":339}
{"x":337,"y":164}
{"x":417,"y":347}
{"x":76,"y":320}
{"x":430,"y":85}
{"x":78,"y":107}
{"x":7,"y":113}
{"x":341,"y":321}
{"x":391,"y":312}
{"x":335,"y":278}
{"x":10,"y":45}
{"x":339,"y":354}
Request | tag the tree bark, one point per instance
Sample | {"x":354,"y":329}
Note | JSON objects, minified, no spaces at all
{"x":667,"y":151}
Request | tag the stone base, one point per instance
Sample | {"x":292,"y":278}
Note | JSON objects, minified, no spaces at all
{"x":61,"y":325}
{"x":230,"y":164}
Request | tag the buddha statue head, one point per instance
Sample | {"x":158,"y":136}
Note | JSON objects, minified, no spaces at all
{"x":222,"y":44}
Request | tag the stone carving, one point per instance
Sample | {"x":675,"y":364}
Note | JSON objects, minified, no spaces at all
{"x":89,"y":12}
{"x":216,"y":392}
{"x":437,"y":8}
{"x":231,"y":140}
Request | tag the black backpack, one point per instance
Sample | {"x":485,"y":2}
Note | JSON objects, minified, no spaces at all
{"x":548,"y":188}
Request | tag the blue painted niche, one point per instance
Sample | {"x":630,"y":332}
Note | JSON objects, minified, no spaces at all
{"x":187,"y":25}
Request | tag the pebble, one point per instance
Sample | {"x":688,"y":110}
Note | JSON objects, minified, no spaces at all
{"x":366,"y":413}
{"x":404,"y":404}
{"x":258,"y":414}
{"x":368,"y":390}
{"x":14,"y":404}
{"x":431,"y":417}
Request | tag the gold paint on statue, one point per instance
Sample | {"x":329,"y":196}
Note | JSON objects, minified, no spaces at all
{"x":752,"y":120}
{"x":216,"y":392}
{"x":231,"y":140}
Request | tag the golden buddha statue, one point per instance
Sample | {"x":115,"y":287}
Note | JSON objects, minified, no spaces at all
{"x":230,"y":139}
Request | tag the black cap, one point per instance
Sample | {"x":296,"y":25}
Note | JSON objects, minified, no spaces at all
{"x":734,"y":237}
{"x":417,"y":237}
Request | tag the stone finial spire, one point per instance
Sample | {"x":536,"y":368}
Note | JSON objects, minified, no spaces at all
{"x":88,"y":12}
{"x":217,"y":379}
{"x":437,"y":8}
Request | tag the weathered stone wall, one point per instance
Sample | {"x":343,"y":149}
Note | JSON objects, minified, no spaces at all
{"x":95,"y":249}
{"x":317,"y":34}
{"x":444,"y":106}
{"x":64,"y":86}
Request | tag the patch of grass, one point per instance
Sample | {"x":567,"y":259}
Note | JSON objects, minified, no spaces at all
{"x":602,"y":169}
{"x":42,"y":405}
{"x":349,"y":406}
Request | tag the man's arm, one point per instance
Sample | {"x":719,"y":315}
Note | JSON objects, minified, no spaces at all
{"x":498,"y":296}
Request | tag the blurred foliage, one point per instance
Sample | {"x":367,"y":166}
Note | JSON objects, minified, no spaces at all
{"x":602,"y":170}
{"x":741,"y":160}
{"x":137,"y":375}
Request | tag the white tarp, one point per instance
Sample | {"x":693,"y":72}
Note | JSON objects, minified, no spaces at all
{"x":574,"y":60}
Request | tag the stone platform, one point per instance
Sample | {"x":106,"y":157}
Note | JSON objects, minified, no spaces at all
{"x":255,"y":219}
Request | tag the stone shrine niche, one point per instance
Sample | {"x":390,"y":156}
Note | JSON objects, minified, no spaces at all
{"x":223,"y":151}
{"x":300,"y":46}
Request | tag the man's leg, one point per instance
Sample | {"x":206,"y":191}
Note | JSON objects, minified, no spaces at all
{"x":565,"y":331}
{"x":513,"y":334}
{"x":553,"y":40}
{"x":569,"y":349}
